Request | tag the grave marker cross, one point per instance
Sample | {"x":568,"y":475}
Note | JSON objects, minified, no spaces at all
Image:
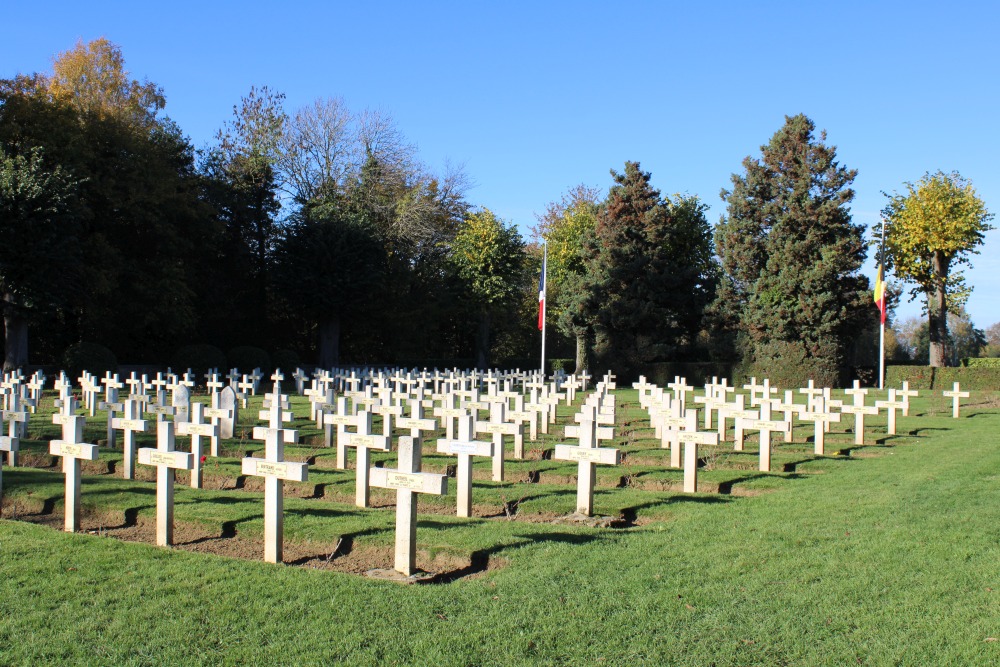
{"x":587,"y":455}
{"x":72,"y":449}
{"x":166,"y":460}
{"x":408,"y":482}
{"x":956,"y":394}
{"x":130,"y":424}
{"x":275,"y":470}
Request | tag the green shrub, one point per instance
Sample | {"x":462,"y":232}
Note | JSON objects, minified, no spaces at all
{"x":246,"y":358}
{"x":287,"y":361}
{"x":694,"y":373}
{"x":199,"y":358}
{"x":438,"y":363}
{"x":919,"y":377}
{"x":979,"y":379}
{"x":91,"y":357}
{"x":981,"y":362}
{"x":787,"y":365}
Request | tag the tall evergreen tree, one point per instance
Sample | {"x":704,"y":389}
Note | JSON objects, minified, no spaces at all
{"x":791,"y":256}
{"x":650,"y":273}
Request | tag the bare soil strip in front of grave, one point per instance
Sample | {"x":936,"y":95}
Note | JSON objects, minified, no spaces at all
{"x":338,"y":555}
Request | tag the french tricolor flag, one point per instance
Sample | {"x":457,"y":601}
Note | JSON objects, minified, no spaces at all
{"x":541,"y":293}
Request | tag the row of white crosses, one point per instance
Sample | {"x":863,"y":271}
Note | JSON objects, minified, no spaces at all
{"x":594,"y":423}
{"x":15,"y":412}
{"x":671,"y":423}
{"x":677,"y":425}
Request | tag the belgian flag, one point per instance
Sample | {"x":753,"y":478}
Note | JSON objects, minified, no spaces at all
{"x":880,"y":292}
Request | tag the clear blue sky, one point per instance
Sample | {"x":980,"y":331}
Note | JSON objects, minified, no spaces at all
{"x":535,"y":97}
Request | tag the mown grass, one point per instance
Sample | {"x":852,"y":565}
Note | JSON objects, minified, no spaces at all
{"x":888,"y":555}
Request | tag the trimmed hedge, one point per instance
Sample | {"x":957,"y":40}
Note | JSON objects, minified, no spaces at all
{"x":983,"y":378}
{"x":246,"y":358}
{"x":199,"y":358}
{"x":982,"y":362}
{"x":919,"y":377}
{"x":91,"y":357}
{"x":694,"y":372}
{"x":287,"y":361}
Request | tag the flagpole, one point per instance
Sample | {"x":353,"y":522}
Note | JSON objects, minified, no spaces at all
{"x":881,"y":337}
{"x":545,"y":301}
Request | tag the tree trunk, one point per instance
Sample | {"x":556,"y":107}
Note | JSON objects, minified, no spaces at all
{"x":15,"y":336}
{"x":329,"y":343}
{"x":483,"y":341}
{"x":582,"y":345}
{"x":937,"y":311}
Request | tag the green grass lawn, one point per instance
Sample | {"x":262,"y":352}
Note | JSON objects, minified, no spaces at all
{"x":885,"y":554}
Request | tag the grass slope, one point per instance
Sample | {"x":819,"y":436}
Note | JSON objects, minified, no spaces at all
{"x":887,"y":556}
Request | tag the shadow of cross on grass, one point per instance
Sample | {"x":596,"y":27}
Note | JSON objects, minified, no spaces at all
{"x":479,"y":560}
{"x":726,"y":487}
{"x":630,"y":514}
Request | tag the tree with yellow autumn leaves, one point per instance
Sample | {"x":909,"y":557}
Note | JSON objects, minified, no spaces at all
{"x":931,"y":229}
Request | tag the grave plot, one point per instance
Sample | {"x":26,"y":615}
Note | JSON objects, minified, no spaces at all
{"x":320,"y":510}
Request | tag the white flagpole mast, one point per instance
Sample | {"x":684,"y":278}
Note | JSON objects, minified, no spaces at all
{"x":885,"y":306}
{"x":545,"y":300}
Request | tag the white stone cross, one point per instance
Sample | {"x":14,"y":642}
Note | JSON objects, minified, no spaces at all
{"x":90,"y":390}
{"x":72,"y":449}
{"x":275,"y":470}
{"x":672,"y":422}
{"x":956,"y":394}
{"x":416,"y":422}
{"x":587,"y":455}
{"x":364,"y":441}
{"x":691,"y":440}
{"x":891,"y":405}
{"x":765,"y":425}
{"x":245,"y":385}
{"x":710,"y":403}
{"x":10,"y":443}
{"x":519,"y":415}
{"x":821,"y":416}
{"x":36,"y":386}
{"x":734,"y":411}
{"x":111,"y":404}
{"x":130,"y":424}
{"x":680,"y":387}
{"x":135,"y":385}
{"x":812,"y":394}
{"x":464,"y":447}
{"x":859,"y":410}
{"x":300,"y":378}
{"x":790,"y":408}
{"x":643,"y":386}
{"x":161,"y":411}
{"x":216,"y":413}
{"x":160,"y":388}
{"x":166,"y":460}
{"x":387,"y":412}
{"x":187,"y":380}
{"x":214,"y":384}
{"x":448,"y":412}
{"x":16,"y":418}
{"x":905,"y":394}
{"x":408,"y":482}
{"x":498,"y":427}
{"x":337,"y":414}
{"x":197,"y":428}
